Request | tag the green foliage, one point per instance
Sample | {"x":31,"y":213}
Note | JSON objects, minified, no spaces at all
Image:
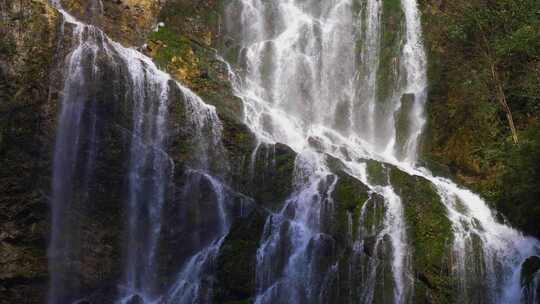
{"x":521,"y":183}
{"x":468,"y":129}
{"x":506,"y":32}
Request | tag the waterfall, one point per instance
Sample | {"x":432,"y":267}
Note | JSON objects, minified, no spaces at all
{"x":296,"y":229}
{"x":193,"y":284}
{"x":149,"y":165}
{"x":95,"y":60}
{"x":352,"y":76}
{"x":414,"y":60}
{"x":339,"y":81}
{"x":77,"y":104}
{"x":149,"y":171}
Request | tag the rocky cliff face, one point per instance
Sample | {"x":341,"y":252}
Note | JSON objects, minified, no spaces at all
{"x":33,"y":48}
{"x":28,"y":50}
{"x":32,"y":77}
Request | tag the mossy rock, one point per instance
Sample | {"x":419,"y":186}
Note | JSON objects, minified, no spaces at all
{"x":185,"y":46}
{"x":530,"y":279}
{"x":403,"y":123}
{"x":372,"y":216}
{"x":392,"y":28}
{"x":377,"y":172}
{"x":125,"y":21}
{"x":529,"y":269}
{"x":196,"y":66}
{"x":334,"y":164}
{"x":349,"y":196}
{"x":349,"y":192}
{"x":429,"y":233}
{"x":237,"y":260}
{"x":272,"y":182}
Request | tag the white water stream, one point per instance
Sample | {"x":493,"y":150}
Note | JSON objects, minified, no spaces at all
{"x":310,"y":73}
{"x":149,"y":170}
{"x":309,"y":70}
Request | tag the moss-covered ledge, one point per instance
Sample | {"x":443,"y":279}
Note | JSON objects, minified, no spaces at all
{"x":185,"y":44}
{"x":126,"y":21}
{"x":429,"y":233}
{"x":349,"y":197}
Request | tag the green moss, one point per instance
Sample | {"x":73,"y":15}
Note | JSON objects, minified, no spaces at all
{"x":391,"y":5}
{"x":274,"y":169}
{"x":403,"y":123}
{"x":377,"y":172}
{"x":392,"y":28}
{"x":236,"y":262}
{"x":350,"y":192}
{"x":374,"y":213}
{"x":171,"y":44}
{"x":430,"y":233}
{"x":349,"y":197}
{"x":180,"y":48}
{"x":237,"y":137}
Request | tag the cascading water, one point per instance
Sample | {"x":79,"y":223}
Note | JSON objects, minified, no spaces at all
{"x":80,"y":69}
{"x":149,"y":169}
{"x":326,"y":70}
{"x":149,"y":165}
{"x":337,"y":80}
{"x":296,"y":230}
{"x":193,"y":284}
{"x":531,"y":290}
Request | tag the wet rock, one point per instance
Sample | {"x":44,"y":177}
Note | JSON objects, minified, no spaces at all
{"x":117,"y":18}
{"x":429,"y":233}
{"x":236,"y":263}
{"x":529,"y":269}
{"x":136,"y":299}
{"x":369,"y":245}
{"x":349,"y":196}
{"x":28,"y":36}
{"x":377,"y":173}
{"x":403,"y":123}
